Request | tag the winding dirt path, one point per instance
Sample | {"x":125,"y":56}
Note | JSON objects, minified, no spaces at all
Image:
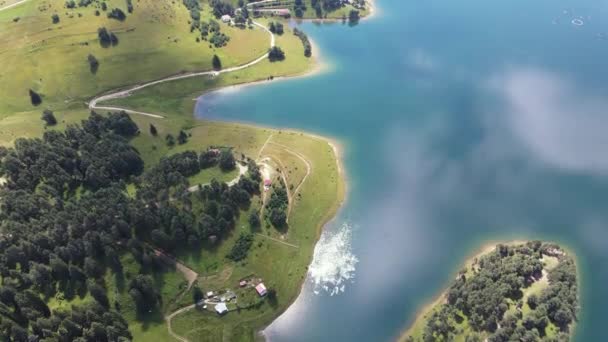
{"x":171,"y":316}
{"x":308,"y":171}
{"x":242,"y":171}
{"x":12,"y":5}
{"x":129,"y":91}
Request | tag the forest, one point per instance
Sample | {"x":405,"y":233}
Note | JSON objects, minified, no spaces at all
{"x":67,"y":218}
{"x":492,"y":301}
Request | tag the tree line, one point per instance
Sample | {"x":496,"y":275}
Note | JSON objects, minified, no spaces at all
{"x":305,"y":42}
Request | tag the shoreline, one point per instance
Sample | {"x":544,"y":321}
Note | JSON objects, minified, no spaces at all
{"x":319,"y":67}
{"x":373,"y":12}
{"x":485,"y":248}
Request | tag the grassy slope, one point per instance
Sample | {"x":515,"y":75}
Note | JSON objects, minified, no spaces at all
{"x":176,"y":98}
{"x":154,"y":41}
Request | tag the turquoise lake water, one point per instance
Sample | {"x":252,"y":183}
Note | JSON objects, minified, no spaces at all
{"x":463,"y":122}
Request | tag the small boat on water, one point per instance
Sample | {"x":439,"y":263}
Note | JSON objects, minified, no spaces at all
{"x":578,"y":22}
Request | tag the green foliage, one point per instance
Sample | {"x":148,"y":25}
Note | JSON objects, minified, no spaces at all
{"x":170,"y":140}
{"x":276,"y":27}
{"x":492,"y":288}
{"x":221,"y":8}
{"x":353,"y":17}
{"x":55,"y":18}
{"x":305,"y":42}
{"x":217,"y":64}
{"x":276,"y":54}
{"x":118,"y":14}
{"x":219,"y":39}
{"x":153,"y":130}
{"x":277,"y":207}
{"x":106,"y":38}
{"x":143,"y":293}
{"x":182,"y":137}
{"x":49,"y":118}
{"x":35,"y":98}
{"x":226,"y":160}
{"x":241,"y":247}
{"x":93,"y":63}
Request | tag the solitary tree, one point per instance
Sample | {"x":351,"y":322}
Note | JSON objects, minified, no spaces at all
{"x":217,"y":64}
{"x":35,"y":98}
{"x":227,"y":162}
{"x":170,"y":140}
{"x":93,"y":63}
{"x":276,"y":54}
{"x":353,"y":17}
{"x":182,"y":137}
{"x":49,"y":117}
{"x":55,"y":18}
{"x":153,"y":130}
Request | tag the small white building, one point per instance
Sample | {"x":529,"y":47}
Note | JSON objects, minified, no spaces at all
{"x":221,"y":308}
{"x":261,"y":289}
{"x":226,"y":18}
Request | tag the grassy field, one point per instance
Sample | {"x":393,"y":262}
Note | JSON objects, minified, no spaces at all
{"x":154,"y":41}
{"x":176,"y":98}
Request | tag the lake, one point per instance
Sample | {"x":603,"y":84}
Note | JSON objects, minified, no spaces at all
{"x":463,"y":122}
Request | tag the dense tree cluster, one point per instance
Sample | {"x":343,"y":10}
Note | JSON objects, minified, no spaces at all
{"x":275,"y":54}
{"x":106,"y":38}
{"x":52,"y":240}
{"x":91,"y":156}
{"x":299,"y":7}
{"x":276,"y":27}
{"x":66,"y":219}
{"x":221,"y":8}
{"x":118,"y":14}
{"x":219,"y":39}
{"x":305,"y":42}
{"x":241,"y":247}
{"x":49,"y":118}
{"x":491,"y":297}
{"x":194,"y":7}
{"x":277,"y":207}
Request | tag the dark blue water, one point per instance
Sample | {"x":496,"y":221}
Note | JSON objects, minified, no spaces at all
{"x":463,"y":122}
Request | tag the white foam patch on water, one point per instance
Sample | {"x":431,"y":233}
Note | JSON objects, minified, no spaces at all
{"x":333,"y":263}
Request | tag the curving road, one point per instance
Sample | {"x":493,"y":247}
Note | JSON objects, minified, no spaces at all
{"x":131,"y":90}
{"x":12,"y":5}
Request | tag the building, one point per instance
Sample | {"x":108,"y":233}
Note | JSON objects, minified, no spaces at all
{"x":243,"y":283}
{"x":209,"y":294}
{"x":226,"y":18}
{"x":261,"y":289}
{"x":267,"y":184}
{"x":221,"y":308}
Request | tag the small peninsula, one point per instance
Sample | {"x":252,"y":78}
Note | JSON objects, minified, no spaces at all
{"x":520,"y":291}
